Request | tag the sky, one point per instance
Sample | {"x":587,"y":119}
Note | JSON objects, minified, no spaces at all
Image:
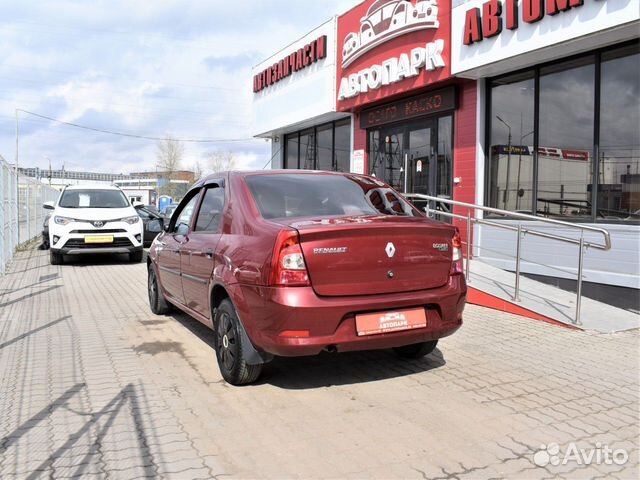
{"x":151,"y":68}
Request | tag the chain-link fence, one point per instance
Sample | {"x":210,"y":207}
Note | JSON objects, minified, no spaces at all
{"x":22,"y":214}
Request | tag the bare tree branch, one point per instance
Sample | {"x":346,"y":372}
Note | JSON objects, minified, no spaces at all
{"x":169,"y":156}
{"x":198,"y":172}
{"x":219,"y":161}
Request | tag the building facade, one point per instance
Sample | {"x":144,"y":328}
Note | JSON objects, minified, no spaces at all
{"x":522,"y":105}
{"x":558,"y":129}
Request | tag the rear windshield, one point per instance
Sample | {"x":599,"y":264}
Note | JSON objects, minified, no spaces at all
{"x":93,"y":199}
{"x":311,"y":195}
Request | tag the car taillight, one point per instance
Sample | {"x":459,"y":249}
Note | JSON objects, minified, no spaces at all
{"x":288,"y":268}
{"x":456,"y":264}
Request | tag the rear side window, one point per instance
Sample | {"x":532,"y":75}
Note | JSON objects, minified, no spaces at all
{"x":318,"y":195}
{"x":210,"y":212}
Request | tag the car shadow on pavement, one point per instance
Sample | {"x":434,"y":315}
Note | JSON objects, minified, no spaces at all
{"x":335,"y":369}
{"x":327,"y":369}
{"x":100,"y":259}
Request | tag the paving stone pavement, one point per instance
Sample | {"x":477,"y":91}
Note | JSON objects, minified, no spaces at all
{"x":94,"y":385}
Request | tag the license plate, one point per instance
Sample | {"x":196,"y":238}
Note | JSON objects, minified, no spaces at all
{"x":392,"y":321}
{"x":99,"y":239}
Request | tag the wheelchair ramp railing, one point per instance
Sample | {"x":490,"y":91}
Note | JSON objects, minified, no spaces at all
{"x":444,"y":208}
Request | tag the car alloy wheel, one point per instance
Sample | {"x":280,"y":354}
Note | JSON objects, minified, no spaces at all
{"x":229,"y":349}
{"x":153,"y":288}
{"x":227,"y":342}
{"x":157,"y":302}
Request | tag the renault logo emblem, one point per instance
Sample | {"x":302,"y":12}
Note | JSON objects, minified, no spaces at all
{"x":390,"y":249}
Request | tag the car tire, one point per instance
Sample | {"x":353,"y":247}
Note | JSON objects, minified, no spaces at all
{"x":228,"y":344}
{"x":55,"y":258}
{"x":135,"y":257}
{"x":416,"y":350}
{"x":157,"y":301}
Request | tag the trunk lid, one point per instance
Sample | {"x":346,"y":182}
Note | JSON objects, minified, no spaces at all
{"x":375,"y":254}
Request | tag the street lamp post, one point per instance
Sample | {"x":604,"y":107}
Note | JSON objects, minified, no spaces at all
{"x":505,"y":196}
{"x":522,"y":137}
{"x":47,"y":158}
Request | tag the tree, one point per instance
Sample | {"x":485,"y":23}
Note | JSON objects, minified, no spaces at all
{"x":220,"y":161}
{"x":198,"y":172}
{"x":169,"y":155}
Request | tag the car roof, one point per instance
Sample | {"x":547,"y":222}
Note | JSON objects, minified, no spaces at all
{"x":92,"y":187}
{"x":244,"y":173}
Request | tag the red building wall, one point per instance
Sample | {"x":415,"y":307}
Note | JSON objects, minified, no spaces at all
{"x":464,"y":151}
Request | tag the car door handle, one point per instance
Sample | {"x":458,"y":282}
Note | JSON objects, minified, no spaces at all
{"x":209,"y":253}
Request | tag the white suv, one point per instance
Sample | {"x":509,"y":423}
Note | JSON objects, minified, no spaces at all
{"x":93,"y":219}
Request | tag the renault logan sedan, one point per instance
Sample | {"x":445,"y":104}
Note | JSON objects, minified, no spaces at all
{"x":294,"y":263}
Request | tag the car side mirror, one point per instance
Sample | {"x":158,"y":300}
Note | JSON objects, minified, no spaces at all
{"x":155,"y":226}
{"x":48,"y":206}
{"x":165,"y":227}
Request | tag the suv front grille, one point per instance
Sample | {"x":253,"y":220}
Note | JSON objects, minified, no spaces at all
{"x":79,"y":243}
{"x":106,"y":230}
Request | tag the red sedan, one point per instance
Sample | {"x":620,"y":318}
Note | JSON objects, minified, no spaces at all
{"x":292,"y":263}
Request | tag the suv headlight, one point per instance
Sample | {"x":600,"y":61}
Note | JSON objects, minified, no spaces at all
{"x":131,"y":220}
{"x":62,"y":220}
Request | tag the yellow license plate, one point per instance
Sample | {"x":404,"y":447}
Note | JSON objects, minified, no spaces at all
{"x":99,"y":239}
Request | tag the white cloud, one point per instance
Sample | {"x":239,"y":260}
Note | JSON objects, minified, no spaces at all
{"x":151,"y":68}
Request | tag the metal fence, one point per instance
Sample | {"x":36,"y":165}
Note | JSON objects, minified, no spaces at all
{"x":21,"y":215}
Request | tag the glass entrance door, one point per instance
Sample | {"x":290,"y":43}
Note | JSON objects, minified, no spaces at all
{"x":417,"y":156}
{"x":386,"y":155}
{"x":420,"y":173}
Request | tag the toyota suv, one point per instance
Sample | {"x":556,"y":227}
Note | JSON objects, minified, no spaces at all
{"x":89,"y":219}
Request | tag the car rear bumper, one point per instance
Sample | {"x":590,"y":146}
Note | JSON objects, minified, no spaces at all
{"x":330,"y":321}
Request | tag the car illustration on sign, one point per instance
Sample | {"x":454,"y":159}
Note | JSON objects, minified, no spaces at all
{"x":387,"y":19}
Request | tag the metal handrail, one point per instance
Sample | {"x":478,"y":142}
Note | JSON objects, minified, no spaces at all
{"x":581,"y":242}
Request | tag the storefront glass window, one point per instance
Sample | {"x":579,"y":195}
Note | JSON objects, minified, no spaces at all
{"x":619,"y":152}
{"x":586,"y":135}
{"x":512,"y":122}
{"x":307,"y":150}
{"x":324,"y":147}
{"x":291,"y":151}
{"x":342,"y":152}
{"x":567,"y":95}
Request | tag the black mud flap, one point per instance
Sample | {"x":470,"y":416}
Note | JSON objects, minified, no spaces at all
{"x":252,"y":356}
